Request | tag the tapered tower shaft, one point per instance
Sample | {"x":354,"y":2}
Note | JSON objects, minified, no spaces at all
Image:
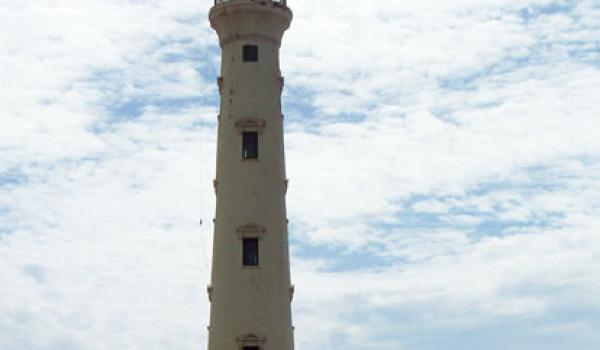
{"x":250,"y":291}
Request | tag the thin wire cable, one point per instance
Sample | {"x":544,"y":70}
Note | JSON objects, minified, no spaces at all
{"x":202,"y":165}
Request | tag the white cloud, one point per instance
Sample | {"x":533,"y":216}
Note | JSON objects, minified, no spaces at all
{"x":453,"y":142}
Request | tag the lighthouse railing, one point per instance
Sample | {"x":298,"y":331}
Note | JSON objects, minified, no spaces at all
{"x":282,"y":2}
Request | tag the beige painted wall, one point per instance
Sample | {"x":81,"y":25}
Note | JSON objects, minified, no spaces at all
{"x":250,"y":301}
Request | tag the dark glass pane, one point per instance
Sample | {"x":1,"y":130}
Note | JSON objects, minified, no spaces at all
{"x":251,"y":348}
{"x":250,"y":251}
{"x":250,"y":53}
{"x":250,"y":145}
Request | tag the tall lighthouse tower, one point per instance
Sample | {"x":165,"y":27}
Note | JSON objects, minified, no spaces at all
{"x":250,"y":291}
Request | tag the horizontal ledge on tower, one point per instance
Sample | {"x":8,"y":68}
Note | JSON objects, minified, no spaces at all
{"x":250,"y":340}
{"x":220,"y":83}
{"x":262,"y":2}
{"x":250,"y":230}
{"x":247,"y":37}
{"x":250,"y":124}
{"x":209,"y":290}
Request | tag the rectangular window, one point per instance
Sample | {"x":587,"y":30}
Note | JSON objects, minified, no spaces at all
{"x":251,"y":348}
{"x":250,"y":53}
{"x":250,"y":252}
{"x":250,"y":145}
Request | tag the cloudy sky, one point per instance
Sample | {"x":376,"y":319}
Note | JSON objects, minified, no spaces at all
{"x":443,"y":156}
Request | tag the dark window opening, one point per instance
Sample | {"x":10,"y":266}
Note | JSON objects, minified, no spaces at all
{"x":251,"y":348}
{"x":250,"y":53}
{"x":250,"y":253}
{"x":250,"y":145}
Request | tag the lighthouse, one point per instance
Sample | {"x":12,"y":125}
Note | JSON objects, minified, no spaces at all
{"x":250,"y":291}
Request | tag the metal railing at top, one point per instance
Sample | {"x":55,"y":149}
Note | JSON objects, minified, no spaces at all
{"x":281,"y":2}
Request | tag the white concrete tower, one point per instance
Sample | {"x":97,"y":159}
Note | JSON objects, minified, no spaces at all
{"x":250,"y":291}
